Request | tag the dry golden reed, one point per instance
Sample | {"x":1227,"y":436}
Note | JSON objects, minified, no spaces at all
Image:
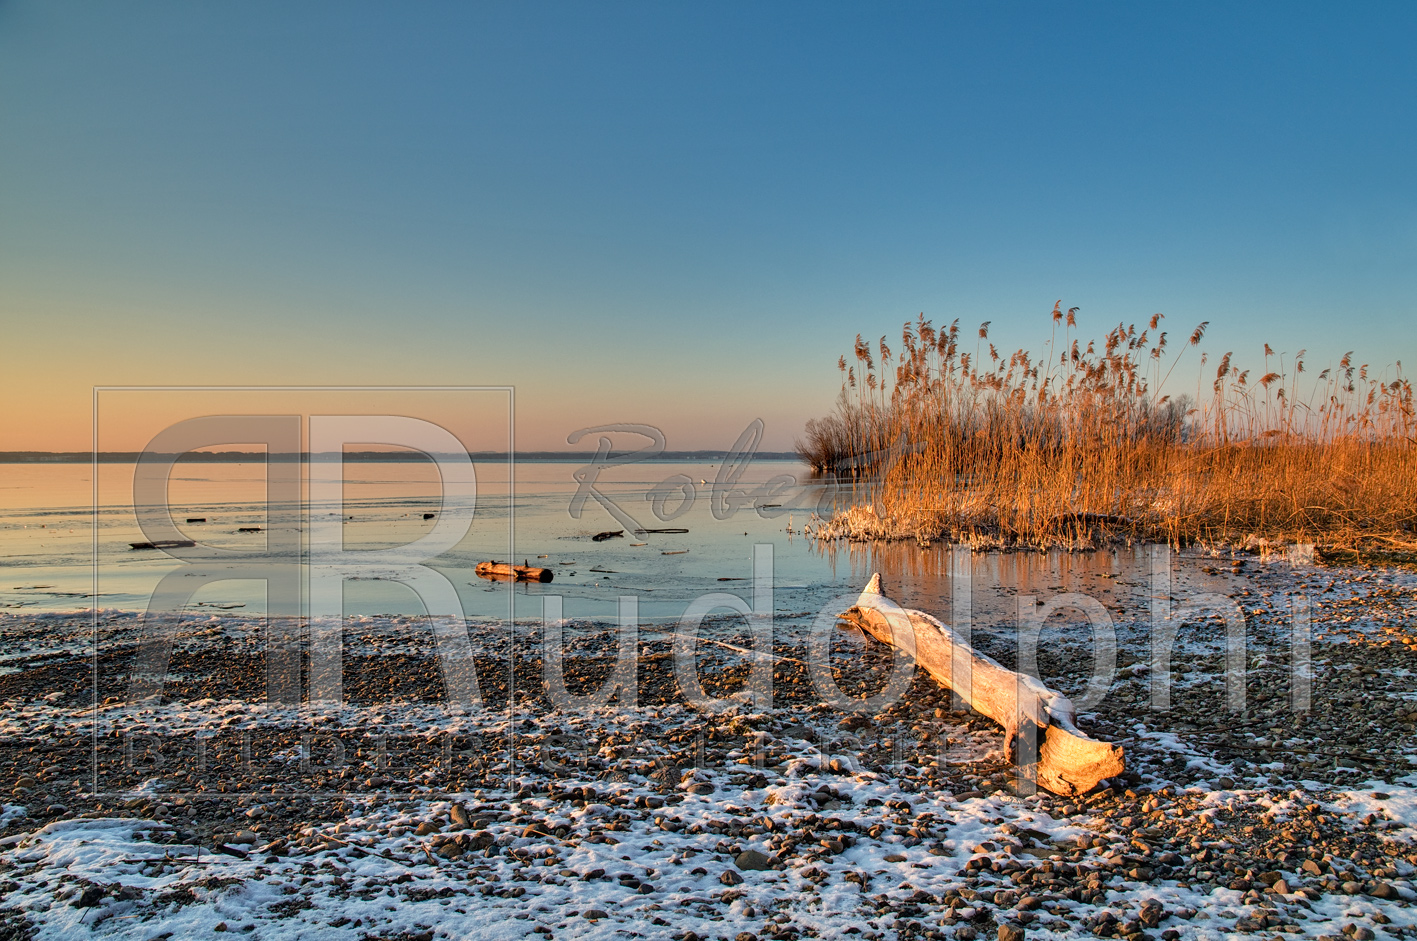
{"x":1072,"y":447}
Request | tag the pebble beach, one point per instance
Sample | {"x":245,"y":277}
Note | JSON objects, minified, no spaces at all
{"x":390,"y":817}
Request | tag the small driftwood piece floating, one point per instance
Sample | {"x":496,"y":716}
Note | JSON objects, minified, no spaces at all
{"x":164,"y":544}
{"x":608,"y":534}
{"x":507,"y":572}
{"x":1039,"y":723}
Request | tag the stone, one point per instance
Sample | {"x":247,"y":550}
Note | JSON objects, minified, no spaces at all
{"x":752,"y":859}
{"x":1384,"y":890}
{"x":1008,"y":932}
{"x":730,"y":877}
{"x":593,"y":914}
{"x":88,"y":898}
{"x":459,"y":817}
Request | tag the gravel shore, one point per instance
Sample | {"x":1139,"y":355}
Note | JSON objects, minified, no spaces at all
{"x":388,"y":818}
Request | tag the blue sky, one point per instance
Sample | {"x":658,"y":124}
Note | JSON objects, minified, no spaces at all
{"x":681,"y":214}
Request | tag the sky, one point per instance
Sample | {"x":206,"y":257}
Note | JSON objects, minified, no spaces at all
{"x":679,"y":214}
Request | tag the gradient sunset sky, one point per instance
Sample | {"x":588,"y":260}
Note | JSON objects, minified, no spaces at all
{"x":681,"y":213}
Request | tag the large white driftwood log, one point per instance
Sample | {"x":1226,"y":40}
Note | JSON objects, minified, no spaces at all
{"x":1039,"y":723}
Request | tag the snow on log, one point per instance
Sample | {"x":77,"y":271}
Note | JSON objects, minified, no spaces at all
{"x":1039,"y":723}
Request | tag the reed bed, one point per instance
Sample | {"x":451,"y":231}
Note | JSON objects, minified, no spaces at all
{"x":1070,"y":446}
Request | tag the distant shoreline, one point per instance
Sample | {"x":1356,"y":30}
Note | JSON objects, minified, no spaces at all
{"x":368,"y":457}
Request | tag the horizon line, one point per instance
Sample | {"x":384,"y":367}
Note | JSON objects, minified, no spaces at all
{"x":401,"y":456}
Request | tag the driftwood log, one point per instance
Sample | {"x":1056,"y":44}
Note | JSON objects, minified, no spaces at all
{"x":1039,"y":723}
{"x":506,"y":571}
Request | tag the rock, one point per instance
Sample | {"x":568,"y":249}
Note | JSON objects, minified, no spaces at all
{"x":730,"y":877}
{"x":1313,"y":867}
{"x":593,"y":914}
{"x":752,"y":859}
{"x":1384,"y":890}
{"x":427,"y":827}
{"x":1008,"y":932}
{"x":88,"y":898}
{"x":1352,"y":888}
{"x":458,"y":816}
{"x":1280,"y":888}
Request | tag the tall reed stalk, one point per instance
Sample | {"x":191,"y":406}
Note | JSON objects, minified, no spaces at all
{"x":1072,"y":446}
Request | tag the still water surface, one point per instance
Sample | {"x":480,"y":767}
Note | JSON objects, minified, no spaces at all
{"x":62,"y":537}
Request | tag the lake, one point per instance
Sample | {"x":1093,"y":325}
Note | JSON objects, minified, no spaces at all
{"x":65,"y":544}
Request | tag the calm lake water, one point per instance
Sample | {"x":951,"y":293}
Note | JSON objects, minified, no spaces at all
{"x":64,"y":537}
